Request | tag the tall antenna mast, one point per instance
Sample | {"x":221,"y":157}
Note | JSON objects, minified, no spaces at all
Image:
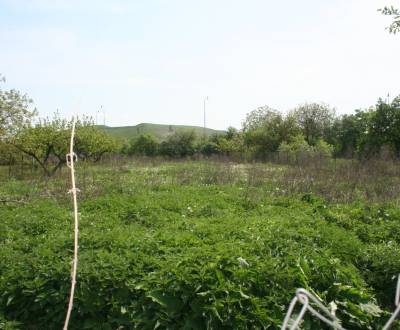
{"x":204,"y":112}
{"x":104,"y":115}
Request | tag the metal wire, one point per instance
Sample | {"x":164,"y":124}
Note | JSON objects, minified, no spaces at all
{"x":71,"y":158}
{"x":304,"y":297}
{"x":390,"y":322}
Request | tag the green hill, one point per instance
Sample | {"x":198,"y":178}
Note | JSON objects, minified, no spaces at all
{"x":157,"y":130}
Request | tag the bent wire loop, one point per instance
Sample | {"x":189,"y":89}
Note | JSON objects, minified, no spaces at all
{"x":390,"y":322}
{"x":304,"y":297}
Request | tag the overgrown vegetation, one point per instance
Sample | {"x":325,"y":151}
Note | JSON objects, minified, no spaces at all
{"x":198,"y":245}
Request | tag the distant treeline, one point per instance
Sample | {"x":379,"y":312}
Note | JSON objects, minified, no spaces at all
{"x":310,"y":129}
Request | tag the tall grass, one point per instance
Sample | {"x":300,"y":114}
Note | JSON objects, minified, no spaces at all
{"x":341,"y":180}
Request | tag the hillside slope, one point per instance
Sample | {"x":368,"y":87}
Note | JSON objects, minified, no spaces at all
{"x":158,"y":130}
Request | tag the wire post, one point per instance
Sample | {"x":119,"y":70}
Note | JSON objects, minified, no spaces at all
{"x":204,"y":117}
{"x":71,"y":158}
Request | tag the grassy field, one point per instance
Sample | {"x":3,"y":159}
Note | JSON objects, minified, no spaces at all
{"x":158,"y":130}
{"x":200,"y":245}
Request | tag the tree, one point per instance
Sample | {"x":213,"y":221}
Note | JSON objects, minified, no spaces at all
{"x":368,"y":131}
{"x":258,"y":117}
{"x":314,"y":119}
{"x":14,"y":111}
{"x":348,"y":132}
{"x":265,"y":129}
{"x":48,"y":142}
{"x":231,"y":133}
{"x":391,"y":11}
{"x":261,"y":130}
{"x":92,"y":143}
{"x":384,"y":127}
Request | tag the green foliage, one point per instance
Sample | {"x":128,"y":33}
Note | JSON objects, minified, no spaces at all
{"x":194,"y":254}
{"x":229,"y":143}
{"x":265,"y":129}
{"x":231,"y":133}
{"x":48,"y":142}
{"x":8,"y":154}
{"x":368,"y":133}
{"x":92,"y":143}
{"x":179,"y":144}
{"x":384,"y":127}
{"x":208,"y":148}
{"x":298,"y":147}
{"x":258,"y":117}
{"x":314,"y":120}
{"x":323,"y":149}
{"x":347,"y":133}
{"x":144,"y":145}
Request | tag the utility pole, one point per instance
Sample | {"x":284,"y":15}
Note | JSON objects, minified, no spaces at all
{"x":204,"y":112}
{"x":104,"y":114}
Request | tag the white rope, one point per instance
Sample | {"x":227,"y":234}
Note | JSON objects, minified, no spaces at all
{"x":71,"y":158}
{"x":304,"y":297}
{"x":389,"y":323}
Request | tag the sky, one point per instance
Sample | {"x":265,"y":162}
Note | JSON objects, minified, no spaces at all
{"x":155,"y":61}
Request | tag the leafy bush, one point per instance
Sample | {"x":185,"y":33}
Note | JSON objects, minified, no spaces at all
{"x":208,"y":148}
{"x":296,"y":148}
{"x":144,"y":145}
{"x":323,"y":149}
{"x":179,"y":144}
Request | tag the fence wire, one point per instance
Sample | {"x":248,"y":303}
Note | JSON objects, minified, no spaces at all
{"x":397,"y":304}
{"x":303,"y":297}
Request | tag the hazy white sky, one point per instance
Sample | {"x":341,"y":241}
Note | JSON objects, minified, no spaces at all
{"x":155,"y":60}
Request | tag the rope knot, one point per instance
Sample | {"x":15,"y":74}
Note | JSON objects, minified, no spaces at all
{"x":73,"y":191}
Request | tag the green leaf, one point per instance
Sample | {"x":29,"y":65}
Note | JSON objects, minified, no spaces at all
{"x":170,"y":303}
